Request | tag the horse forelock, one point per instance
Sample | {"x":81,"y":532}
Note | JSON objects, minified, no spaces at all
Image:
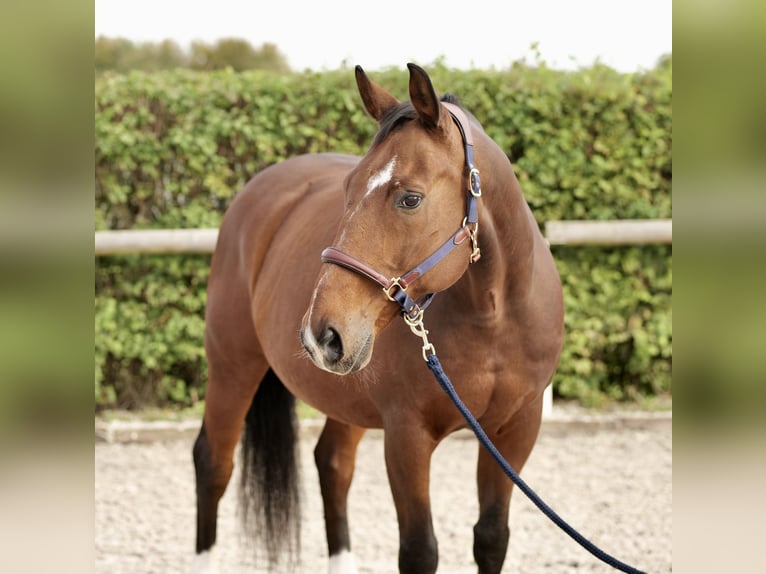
{"x":392,"y":119}
{"x":400,"y":114}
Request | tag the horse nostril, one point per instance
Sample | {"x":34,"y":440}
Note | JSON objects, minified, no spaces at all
{"x":332,"y":344}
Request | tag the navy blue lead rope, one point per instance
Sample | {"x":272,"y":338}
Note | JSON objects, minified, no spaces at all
{"x":436,"y":368}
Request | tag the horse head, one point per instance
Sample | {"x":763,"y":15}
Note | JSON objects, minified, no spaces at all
{"x":404,"y":198}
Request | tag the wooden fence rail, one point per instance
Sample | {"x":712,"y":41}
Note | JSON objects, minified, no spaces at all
{"x":170,"y":241}
{"x":618,"y":232}
{"x":174,"y":241}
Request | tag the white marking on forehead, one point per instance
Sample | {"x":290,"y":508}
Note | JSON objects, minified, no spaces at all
{"x":382,"y":177}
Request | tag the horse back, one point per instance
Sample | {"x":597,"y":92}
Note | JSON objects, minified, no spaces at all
{"x":262,"y":207}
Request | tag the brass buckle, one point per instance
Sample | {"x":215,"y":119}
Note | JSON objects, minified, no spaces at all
{"x":473,"y":178}
{"x":394,"y":283}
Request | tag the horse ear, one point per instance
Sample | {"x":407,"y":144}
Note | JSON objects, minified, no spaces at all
{"x":377,"y":100}
{"x":423,"y":96}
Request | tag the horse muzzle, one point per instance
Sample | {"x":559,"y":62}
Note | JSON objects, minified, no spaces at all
{"x":334,"y":352}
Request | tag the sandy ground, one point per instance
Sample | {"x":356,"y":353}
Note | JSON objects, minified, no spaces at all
{"x":608,"y":476}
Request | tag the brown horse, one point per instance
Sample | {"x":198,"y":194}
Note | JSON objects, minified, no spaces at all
{"x":283,"y":322}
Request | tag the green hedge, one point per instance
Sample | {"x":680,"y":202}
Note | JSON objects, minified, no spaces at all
{"x":173,"y":148}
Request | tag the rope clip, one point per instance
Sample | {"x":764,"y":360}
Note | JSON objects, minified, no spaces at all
{"x":418,"y":328}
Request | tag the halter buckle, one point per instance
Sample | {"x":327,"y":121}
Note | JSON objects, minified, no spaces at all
{"x":474,"y":182}
{"x":394,"y":283}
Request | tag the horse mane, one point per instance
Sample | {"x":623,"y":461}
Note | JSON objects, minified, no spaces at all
{"x":451,"y":99}
{"x":404,"y":112}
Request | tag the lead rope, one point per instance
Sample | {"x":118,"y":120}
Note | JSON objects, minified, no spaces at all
{"x":434,"y":365}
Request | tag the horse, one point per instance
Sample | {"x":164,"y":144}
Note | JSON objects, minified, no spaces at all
{"x":295,"y":309}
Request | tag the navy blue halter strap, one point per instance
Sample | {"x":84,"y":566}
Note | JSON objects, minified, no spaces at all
{"x":395,"y":288}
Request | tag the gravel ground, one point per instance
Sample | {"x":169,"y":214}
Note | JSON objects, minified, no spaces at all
{"x":609,"y":476}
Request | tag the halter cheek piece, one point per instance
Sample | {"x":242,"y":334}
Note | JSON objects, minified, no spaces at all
{"x":396,"y":288}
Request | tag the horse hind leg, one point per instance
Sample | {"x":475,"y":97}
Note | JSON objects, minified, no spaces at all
{"x":491,"y":532}
{"x":335,"y":456}
{"x":227,"y":401}
{"x":211,"y":481}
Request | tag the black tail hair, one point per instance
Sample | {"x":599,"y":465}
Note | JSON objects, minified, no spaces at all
{"x":269,"y":492}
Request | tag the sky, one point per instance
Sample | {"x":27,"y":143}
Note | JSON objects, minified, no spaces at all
{"x":627,"y":35}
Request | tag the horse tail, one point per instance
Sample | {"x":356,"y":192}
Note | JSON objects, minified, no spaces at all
{"x":269,"y":492}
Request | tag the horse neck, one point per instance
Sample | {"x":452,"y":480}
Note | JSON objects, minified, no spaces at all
{"x":506,"y":234}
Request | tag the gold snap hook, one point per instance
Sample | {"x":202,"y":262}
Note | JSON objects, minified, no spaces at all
{"x":476,"y":252}
{"x":418,"y":328}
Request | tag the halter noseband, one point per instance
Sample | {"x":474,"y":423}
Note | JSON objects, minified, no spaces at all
{"x":396,"y":288}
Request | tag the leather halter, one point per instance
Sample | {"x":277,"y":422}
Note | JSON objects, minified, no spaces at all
{"x":396,"y":288}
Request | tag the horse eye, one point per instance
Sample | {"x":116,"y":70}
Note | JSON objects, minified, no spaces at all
{"x":410,"y":201}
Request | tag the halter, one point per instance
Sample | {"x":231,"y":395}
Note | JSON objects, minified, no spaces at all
{"x":395,"y":288}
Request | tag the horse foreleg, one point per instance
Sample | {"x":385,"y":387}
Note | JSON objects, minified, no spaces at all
{"x":408,"y":450}
{"x":491,"y":532}
{"x":335,"y":455}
